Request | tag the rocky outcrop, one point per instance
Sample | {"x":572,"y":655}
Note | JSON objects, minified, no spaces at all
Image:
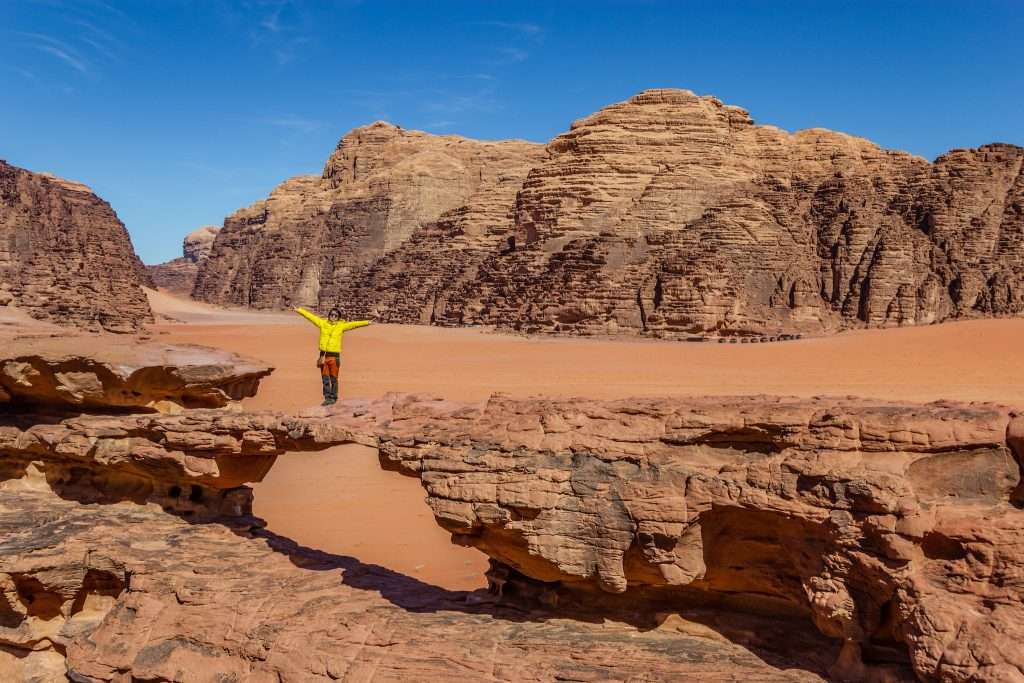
{"x":104,"y":375}
{"x":665,"y":215}
{"x":108,"y":593}
{"x":179,"y":275}
{"x":65,"y":256}
{"x":893,"y":529}
{"x":332,"y":240}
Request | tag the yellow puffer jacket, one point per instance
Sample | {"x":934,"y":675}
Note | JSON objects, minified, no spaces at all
{"x":331,"y":333}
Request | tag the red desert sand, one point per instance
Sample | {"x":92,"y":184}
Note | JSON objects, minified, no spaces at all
{"x":340,"y":500}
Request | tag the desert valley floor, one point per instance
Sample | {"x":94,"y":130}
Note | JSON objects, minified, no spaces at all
{"x":340,"y":500}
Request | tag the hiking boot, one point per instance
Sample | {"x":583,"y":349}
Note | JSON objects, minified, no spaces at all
{"x":329,"y":402}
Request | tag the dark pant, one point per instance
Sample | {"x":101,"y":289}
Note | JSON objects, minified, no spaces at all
{"x":329,"y":375}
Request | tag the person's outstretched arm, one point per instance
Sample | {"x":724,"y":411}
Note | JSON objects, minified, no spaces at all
{"x":353,"y":324}
{"x":311,"y":317}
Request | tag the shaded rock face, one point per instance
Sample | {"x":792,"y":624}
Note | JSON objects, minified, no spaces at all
{"x":179,"y":275}
{"x":664,"y":215}
{"x":396,"y":217}
{"x":43,"y":373}
{"x":64,"y":255}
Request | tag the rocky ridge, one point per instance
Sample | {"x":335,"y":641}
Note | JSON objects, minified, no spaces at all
{"x":179,"y":275}
{"x":665,"y":215}
{"x":893,"y":529}
{"x":64,"y":255}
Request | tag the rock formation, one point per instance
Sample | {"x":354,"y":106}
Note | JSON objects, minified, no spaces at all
{"x":326,"y":240}
{"x":892,"y":529}
{"x":128,"y":550}
{"x":665,"y":215}
{"x":65,"y":256}
{"x":109,"y":593}
{"x":179,"y":275}
{"x":45,"y":372}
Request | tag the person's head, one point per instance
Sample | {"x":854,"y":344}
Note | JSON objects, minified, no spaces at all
{"x":334,"y":315}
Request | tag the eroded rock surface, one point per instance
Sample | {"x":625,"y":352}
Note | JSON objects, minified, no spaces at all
{"x":664,"y":215}
{"x":671,"y":213}
{"x":129,"y":592}
{"x":330,"y":240}
{"x":107,"y":374}
{"x":893,"y":527}
{"x":64,"y":255}
{"x":179,"y":275}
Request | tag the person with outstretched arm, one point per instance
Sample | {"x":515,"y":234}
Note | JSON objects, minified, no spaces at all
{"x":329,"y":361}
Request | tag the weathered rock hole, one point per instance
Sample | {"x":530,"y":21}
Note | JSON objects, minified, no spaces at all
{"x":939,"y":547}
{"x":174,"y":492}
{"x":38,"y":601}
{"x":196,"y":495}
{"x":96,"y":583}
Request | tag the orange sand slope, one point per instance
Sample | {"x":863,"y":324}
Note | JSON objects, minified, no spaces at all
{"x":971,"y":361}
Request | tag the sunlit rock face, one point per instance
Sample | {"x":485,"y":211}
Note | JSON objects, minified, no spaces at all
{"x":64,"y":255}
{"x":355,"y":235}
{"x":665,"y":215}
{"x":894,"y":528}
{"x":672,"y":213}
{"x":125,"y":376}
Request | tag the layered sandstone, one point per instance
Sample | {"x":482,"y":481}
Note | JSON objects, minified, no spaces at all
{"x":179,"y":275}
{"x":109,"y":593}
{"x":118,"y":376}
{"x":333,"y":239}
{"x":64,"y":255}
{"x":893,"y":529}
{"x":665,"y":215}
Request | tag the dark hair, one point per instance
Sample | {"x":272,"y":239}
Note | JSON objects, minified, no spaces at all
{"x":335,"y":311}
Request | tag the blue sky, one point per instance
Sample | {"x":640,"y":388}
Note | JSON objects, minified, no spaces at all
{"x":178,"y":112}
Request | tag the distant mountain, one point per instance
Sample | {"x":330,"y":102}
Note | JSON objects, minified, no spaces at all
{"x":665,"y":215}
{"x":179,"y":275}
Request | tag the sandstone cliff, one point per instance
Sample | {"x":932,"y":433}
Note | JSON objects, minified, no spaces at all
{"x":329,"y":240}
{"x":665,"y":215}
{"x":672,"y":213}
{"x":65,"y":256}
{"x":179,"y":275}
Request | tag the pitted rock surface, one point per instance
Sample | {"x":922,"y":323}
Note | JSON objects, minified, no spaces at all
{"x":886,"y":524}
{"x":665,"y":215}
{"x":64,"y":255}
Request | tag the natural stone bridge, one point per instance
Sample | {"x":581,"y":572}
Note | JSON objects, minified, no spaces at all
{"x":894,"y":529}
